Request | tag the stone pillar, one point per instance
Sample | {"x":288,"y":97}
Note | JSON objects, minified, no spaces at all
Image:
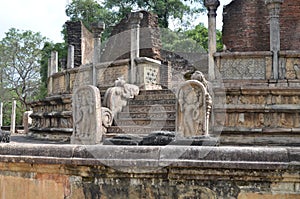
{"x":274,"y":10}
{"x":70,"y":61}
{"x":212,"y":6}
{"x":70,"y":65}
{"x":97,"y":29}
{"x":54,"y":63}
{"x":135,"y":18}
{"x":52,"y":69}
{"x":13,"y":118}
{"x":27,"y":121}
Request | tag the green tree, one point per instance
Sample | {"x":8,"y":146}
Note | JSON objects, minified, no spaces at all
{"x":200,"y":35}
{"x":49,"y":47}
{"x":180,"y":42}
{"x":20,"y":54}
{"x":164,"y":9}
{"x":90,"y":11}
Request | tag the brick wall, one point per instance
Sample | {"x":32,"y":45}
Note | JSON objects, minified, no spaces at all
{"x":82,"y":40}
{"x":290,"y":25}
{"x":118,"y":45}
{"x":246,"y":25}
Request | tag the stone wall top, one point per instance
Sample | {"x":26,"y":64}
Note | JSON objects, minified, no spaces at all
{"x":208,"y":157}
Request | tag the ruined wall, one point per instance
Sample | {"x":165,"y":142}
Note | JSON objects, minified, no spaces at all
{"x":246,"y":25}
{"x":290,"y":25}
{"x":82,"y":40}
{"x":30,"y":171}
{"x":118,"y":45}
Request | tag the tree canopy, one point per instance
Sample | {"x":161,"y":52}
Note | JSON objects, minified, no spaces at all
{"x":20,"y":52}
{"x":112,"y":11}
{"x":164,"y":9}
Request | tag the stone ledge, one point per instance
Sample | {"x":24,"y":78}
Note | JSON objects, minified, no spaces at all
{"x":49,"y":129}
{"x":52,"y":114}
{"x":250,"y":54}
{"x":258,"y":108}
{"x":252,"y":131}
{"x":149,"y":156}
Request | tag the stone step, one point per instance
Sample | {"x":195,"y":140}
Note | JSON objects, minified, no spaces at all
{"x":111,"y":131}
{"x":152,"y":102}
{"x":155,"y":97}
{"x":150,"y":108}
{"x":156,"y":92}
{"x":147,"y":115}
{"x":159,"y":123}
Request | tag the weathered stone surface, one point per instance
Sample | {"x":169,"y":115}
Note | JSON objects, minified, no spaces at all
{"x":116,"y":97}
{"x":243,"y":68}
{"x":82,"y":40}
{"x":159,"y":138}
{"x":87,"y":125}
{"x":150,"y":43}
{"x":74,"y":171}
{"x":193,"y":108}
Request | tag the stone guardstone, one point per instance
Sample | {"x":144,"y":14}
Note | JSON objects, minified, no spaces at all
{"x":193,"y":107}
{"x":116,"y":97}
{"x":87,"y":121}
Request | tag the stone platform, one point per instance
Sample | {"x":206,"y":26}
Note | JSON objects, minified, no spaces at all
{"x":78,"y":171}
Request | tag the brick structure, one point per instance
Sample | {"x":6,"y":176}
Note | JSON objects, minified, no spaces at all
{"x":118,"y":45}
{"x":82,"y":40}
{"x":246,"y":25}
{"x":290,"y":25}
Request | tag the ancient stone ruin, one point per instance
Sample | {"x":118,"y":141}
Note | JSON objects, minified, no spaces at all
{"x":87,"y":118}
{"x":231,"y":131}
{"x":194,"y":104}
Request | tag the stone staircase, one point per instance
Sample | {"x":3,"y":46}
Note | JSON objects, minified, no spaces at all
{"x":151,"y":110}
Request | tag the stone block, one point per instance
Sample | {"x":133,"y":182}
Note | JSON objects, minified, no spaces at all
{"x":87,"y":125}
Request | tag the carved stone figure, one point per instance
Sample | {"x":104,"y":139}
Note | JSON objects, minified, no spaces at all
{"x":116,"y":97}
{"x":193,"y":107}
{"x":87,"y":125}
{"x":107,"y":118}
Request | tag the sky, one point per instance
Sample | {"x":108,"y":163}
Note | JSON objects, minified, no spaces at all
{"x":48,"y":17}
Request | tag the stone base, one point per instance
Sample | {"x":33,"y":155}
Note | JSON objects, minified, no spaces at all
{"x":161,"y":138}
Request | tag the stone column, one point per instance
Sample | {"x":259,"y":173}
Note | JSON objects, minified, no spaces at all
{"x":97,"y":29}
{"x":274,"y":10}
{"x":27,"y":121}
{"x":135,"y":18}
{"x":13,"y":118}
{"x":70,"y":61}
{"x":212,"y":6}
{"x":54,"y":63}
{"x":70,"y":65}
{"x":52,"y":68}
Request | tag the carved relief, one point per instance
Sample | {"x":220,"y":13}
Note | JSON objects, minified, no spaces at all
{"x":193,"y":107}
{"x":86,"y":116}
{"x":116,"y":97}
{"x":297,"y":71}
{"x":243,"y":68}
{"x":151,"y":75}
